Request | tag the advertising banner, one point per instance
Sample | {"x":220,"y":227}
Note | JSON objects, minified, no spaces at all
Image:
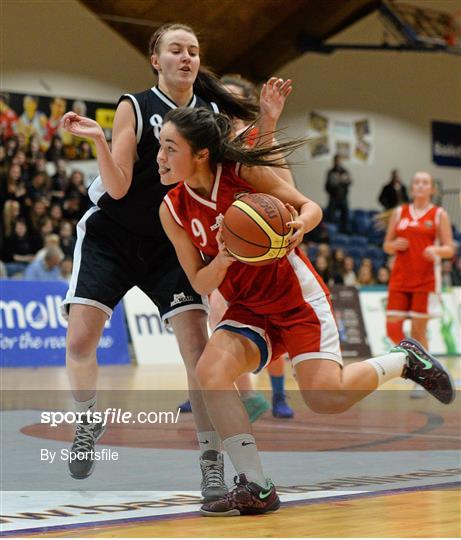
{"x":446,"y":144}
{"x":33,"y":331}
{"x":153,"y":343}
{"x":348,"y":315}
{"x":444,"y":333}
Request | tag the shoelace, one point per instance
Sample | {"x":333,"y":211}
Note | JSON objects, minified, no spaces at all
{"x":84,"y":439}
{"x":213,"y":474}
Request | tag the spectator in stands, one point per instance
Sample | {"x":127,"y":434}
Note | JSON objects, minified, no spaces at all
{"x":85,"y":151}
{"x":324,"y":249}
{"x":66,"y":269}
{"x":76,"y":186}
{"x":349,"y":276}
{"x":55,"y":214}
{"x":67,"y":238}
{"x":382,"y":276}
{"x":58,"y":107}
{"x":19,"y":249}
{"x":33,"y":151}
{"x":59,"y":181}
{"x":322,"y":267}
{"x":337,"y":266}
{"x":365,"y":275}
{"x":394,"y":193}
{"x":46,"y":268}
{"x":11,"y":213}
{"x":12,"y":146}
{"x":38,"y":188}
{"x":15,"y":185}
{"x":49,"y":240}
{"x":337,"y":186}
{"x":37,"y":212}
{"x":73,"y":208}
{"x":56,"y":149}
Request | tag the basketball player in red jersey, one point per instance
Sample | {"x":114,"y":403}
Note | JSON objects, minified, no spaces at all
{"x":419,"y":235}
{"x":282,"y":307}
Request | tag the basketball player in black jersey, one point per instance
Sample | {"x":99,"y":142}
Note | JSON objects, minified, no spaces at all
{"x":121,"y":243}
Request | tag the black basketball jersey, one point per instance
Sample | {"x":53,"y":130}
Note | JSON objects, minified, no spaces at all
{"x":138,"y":210}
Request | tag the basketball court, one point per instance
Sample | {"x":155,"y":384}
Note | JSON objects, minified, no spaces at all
{"x":388,"y":467}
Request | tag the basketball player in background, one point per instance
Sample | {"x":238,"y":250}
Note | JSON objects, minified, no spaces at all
{"x":419,"y":234}
{"x":121,"y":243}
{"x":273,"y":309}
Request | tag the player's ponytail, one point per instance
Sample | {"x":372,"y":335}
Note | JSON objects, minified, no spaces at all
{"x":210,"y":88}
{"x":204,"y":129}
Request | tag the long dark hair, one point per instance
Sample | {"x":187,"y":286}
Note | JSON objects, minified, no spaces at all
{"x":207,"y":85}
{"x":203,"y":128}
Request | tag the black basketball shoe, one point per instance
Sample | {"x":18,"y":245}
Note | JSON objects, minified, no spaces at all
{"x":213,"y":485}
{"x":247,"y":498}
{"x":424,"y":369}
{"x":82,"y":463}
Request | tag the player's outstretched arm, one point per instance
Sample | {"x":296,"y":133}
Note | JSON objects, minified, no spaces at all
{"x":204,"y":278}
{"x":116,"y":166}
{"x":274,"y":94}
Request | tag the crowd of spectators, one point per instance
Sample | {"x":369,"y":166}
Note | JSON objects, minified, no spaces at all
{"x":42,"y":197}
{"x":39,"y":213}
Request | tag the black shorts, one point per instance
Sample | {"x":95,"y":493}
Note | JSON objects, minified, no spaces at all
{"x":109,"y":261}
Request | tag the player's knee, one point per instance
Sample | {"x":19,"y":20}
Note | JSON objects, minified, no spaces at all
{"x":326,"y":401}
{"x":210,"y":375}
{"x":80,"y":349}
{"x":395,"y":330}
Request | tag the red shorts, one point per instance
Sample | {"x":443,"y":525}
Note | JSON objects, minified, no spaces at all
{"x":307,"y":332}
{"x":413,"y":304}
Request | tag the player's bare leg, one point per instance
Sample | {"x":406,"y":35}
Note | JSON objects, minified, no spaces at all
{"x":86,"y":324}
{"x":190,"y":328}
{"x":253,"y":492}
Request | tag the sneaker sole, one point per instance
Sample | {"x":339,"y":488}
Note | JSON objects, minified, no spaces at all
{"x":439,"y":366}
{"x":235,"y":512}
{"x":82,"y":477}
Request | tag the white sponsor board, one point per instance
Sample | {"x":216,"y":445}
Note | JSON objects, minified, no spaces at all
{"x":444,"y":333}
{"x":153,"y":342}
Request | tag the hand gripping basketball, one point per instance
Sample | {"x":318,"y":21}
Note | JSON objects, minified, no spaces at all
{"x":255,"y":229}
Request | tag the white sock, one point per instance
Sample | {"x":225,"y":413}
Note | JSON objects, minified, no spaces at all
{"x":389,"y":366}
{"x":209,"y":440}
{"x":244,"y":455}
{"x":84,"y":406}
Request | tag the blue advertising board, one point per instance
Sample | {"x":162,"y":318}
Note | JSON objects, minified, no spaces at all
{"x":446,"y":144}
{"x":33,"y":331}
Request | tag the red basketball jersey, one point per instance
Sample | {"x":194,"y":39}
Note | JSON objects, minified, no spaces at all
{"x":412,"y":272}
{"x":288,"y":282}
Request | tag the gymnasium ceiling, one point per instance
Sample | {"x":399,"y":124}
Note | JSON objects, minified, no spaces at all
{"x":251,"y":37}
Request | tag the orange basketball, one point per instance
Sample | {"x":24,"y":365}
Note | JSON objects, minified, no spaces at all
{"x":255,"y":229}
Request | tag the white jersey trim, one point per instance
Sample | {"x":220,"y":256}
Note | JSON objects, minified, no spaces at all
{"x":70,"y":296}
{"x":214,"y":192}
{"x":201,"y":200}
{"x":310,"y":286}
{"x":168,"y":101}
{"x":96,"y":190}
{"x":139,"y":123}
{"x":172,"y":210}
{"x":214,"y":107}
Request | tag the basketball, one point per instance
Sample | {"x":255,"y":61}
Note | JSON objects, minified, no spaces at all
{"x":255,"y":229}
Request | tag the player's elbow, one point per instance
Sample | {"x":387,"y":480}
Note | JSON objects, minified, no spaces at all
{"x":118,"y":193}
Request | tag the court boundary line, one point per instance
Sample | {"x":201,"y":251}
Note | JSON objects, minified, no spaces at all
{"x":164,"y":517}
